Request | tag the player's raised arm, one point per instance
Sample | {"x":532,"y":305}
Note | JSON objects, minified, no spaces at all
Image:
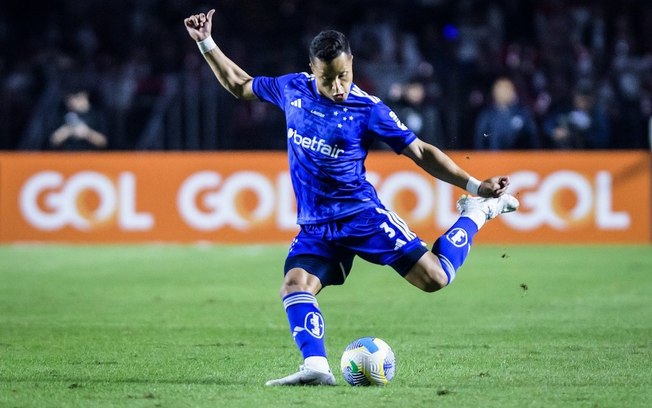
{"x":233,"y":78}
{"x":439,"y":165}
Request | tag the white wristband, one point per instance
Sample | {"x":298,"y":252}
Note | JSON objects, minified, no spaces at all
{"x":473,"y":185}
{"x":206,"y":45}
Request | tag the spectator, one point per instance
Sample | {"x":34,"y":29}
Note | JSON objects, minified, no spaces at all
{"x":411,"y":105}
{"x":124,"y":49}
{"x":583,"y":125}
{"x":506,"y":124}
{"x":81,"y":123}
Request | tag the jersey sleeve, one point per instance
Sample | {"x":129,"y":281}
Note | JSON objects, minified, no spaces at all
{"x":388,"y":128}
{"x":270,"y":89}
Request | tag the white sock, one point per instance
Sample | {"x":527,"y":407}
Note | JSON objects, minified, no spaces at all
{"x":477,"y":216}
{"x":317,"y":363}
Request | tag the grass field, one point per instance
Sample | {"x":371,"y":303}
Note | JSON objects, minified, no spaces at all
{"x":192,"y":326}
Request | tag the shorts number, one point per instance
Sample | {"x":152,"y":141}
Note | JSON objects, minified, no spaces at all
{"x":388,"y":230}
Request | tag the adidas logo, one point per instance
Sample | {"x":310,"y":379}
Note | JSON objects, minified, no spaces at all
{"x":399,"y":243}
{"x":296,"y":103}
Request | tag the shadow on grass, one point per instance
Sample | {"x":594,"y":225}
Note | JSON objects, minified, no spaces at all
{"x":75,"y":382}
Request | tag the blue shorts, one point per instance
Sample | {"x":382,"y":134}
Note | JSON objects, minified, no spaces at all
{"x":377,"y":235}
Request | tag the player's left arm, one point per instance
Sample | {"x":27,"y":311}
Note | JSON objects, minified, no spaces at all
{"x":438,"y":164}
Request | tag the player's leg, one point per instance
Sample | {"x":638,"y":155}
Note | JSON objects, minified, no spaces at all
{"x":307,"y":325}
{"x":451,"y":249}
{"x":382,"y":237}
{"x":305,"y":275}
{"x":427,"y":274}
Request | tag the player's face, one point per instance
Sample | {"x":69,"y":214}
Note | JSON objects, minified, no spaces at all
{"x":334,"y":77}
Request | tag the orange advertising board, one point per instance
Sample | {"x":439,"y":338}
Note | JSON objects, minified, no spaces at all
{"x":247,"y":197}
{"x":566,"y":197}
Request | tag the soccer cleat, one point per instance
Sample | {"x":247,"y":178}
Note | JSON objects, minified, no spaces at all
{"x":305,"y":376}
{"x":492,"y":207}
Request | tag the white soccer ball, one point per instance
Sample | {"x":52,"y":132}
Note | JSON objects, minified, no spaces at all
{"x":368,"y":361}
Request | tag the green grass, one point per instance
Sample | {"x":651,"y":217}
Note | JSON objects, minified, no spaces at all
{"x":192,"y":326}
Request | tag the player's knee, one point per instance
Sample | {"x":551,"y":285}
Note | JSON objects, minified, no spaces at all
{"x":434,"y":279}
{"x":428,"y":278}
{"x":427,"y":274}
{"x":298,"y":280}
{"x":290,"y":286}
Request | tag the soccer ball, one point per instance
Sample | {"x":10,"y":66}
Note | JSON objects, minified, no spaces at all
{"x":368,"y":361}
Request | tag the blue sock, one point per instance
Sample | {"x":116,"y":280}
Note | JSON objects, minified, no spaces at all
{"x":306,"y":323}
{"x":453,"y":247}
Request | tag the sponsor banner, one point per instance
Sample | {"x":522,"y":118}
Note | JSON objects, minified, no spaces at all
{"x":247,"y":197}
{"x":566,"y":197}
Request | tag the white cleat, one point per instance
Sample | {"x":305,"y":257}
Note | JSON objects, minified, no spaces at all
{"x":492,"y":207}
{"x":305,"y":376}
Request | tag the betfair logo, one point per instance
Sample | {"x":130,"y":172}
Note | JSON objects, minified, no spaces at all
{"x":314,"y":144}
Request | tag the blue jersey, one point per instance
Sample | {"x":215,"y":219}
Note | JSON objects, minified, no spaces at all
{"x":328,"y":143}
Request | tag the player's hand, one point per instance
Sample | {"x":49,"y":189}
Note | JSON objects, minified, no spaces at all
{"x":494,"y":186}
{"x":199,"y":25}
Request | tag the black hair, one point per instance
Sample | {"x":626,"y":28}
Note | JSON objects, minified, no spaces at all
{"x":583,"y":88}
{"x":329,"y":45}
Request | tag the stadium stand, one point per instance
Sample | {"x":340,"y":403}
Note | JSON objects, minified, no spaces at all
{"x":156,"y":94}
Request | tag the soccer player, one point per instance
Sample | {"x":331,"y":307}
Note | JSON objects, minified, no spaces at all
{"x":330,"y":125}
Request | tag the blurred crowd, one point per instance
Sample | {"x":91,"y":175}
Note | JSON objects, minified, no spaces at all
{"x":467,"y":74}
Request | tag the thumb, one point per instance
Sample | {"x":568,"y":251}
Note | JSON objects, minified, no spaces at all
{"x":209,"y":16}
